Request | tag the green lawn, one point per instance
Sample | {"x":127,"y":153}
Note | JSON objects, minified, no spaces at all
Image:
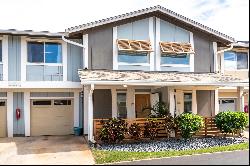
{"x":102,"y":156}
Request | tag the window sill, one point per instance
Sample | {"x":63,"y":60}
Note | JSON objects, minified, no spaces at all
{"x":174,"y":65}
{"x":133,"y":64}
{"x":236,"y":70}
{"x":44,"y":64}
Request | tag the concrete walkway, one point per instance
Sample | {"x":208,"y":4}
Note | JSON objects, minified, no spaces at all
{"x":44,"y":150}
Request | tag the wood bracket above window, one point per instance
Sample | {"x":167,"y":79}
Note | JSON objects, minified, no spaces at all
{"x":134,"y":45}
{"x":176,"y":48}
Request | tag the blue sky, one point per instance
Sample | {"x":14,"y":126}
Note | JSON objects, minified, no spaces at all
{"x":227,"y":16}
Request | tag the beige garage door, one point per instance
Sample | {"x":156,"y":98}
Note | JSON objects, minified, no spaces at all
{"x":52,"y":117}
{"x":3,"y":118}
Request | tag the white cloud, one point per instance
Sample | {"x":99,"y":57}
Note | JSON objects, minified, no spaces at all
{"x":227,"y":16}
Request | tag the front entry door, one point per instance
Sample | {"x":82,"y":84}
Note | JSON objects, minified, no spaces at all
{"x":142,"y":101}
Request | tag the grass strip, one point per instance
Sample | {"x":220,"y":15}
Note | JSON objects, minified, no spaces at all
{"x":102,"y":156}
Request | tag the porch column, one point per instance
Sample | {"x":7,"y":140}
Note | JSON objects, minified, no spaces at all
{"x":194,"y":102}
{"x":85,"y":110}
{"x":10,"y":113}
{"x":27,"y":113}
{"x":76,"y":109}
{"x":90,"y":113}
{"x":114,"y":102}
{"x":130,"y":103}
{"x":171,"y":101}
{"x":216,"y":102}
{"x":240,"y":99}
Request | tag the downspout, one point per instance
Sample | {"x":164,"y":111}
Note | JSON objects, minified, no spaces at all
{"x":79,"y":45}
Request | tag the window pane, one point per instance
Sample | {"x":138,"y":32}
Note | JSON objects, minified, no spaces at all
{"x":133,"y":58}
{"x":121,"y":105}
{"x":53,"y":53}
{"x":2,"y":103}
{"x":62,"y":102}
{"x":0,"y":51}
{"x":230,"y":60}
{"x":242,"y":60}
{"x":35,"y":52}
{"x":42,"y":102}
{"x":188,"y":102}
{"x":175,"y":59}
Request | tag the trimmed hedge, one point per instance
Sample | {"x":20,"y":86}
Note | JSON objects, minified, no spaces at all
{"x":231,"y":122}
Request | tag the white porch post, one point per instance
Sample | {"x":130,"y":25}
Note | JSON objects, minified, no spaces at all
{"x":240,"y":99}
{"x":27,"y":113}
{"x":10,"y":113}
{"x":114,"y":102}
{"x":85,"y":112}
{"x":131,"y":103}
{"x":90,"y":113}
{"x":76,"y":109}
{"x":194,"y":102}
{"x":216,"y":102}
{"x":171,"y":101}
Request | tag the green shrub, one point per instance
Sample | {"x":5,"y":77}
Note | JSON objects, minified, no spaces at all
{"x":151,"y":128}
{"x":231,"y":122}
{"x":189,"y":124}
{"x":113,"y":130}
{"x":135,"y":131}
{"x":160,"y":110}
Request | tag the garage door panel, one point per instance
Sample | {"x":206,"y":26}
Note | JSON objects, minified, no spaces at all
{"x":52,"y":120}
{"x":3,"y":119}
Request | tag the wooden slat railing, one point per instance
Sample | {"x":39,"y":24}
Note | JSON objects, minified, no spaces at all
{"x":209,"y":128}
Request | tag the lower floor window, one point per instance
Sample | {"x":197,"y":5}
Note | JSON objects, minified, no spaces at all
{"x":121,"y":105}
{"x":188,"y":102}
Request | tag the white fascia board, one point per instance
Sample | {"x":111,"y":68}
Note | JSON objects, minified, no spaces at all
{"x":230,"y":84}
{"x":38,"y":84}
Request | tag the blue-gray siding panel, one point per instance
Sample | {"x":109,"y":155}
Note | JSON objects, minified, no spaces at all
{"x":1,"y":72}
{"x":18,"y":102}
{"x":74,"y":61}
{"x":14,"y":57}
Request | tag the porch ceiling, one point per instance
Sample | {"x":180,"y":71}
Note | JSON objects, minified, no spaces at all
{"x":111,"y":77}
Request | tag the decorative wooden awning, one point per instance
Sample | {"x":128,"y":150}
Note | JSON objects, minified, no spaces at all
{"x":134,"y":45}
{"x":176,"y":48}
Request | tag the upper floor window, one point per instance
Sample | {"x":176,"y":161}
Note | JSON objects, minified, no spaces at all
{"x":235,"y":60}
{"x":44,"y":52}
{"x":175,"y":59}
{"x":133,"y":51}
{"x":0,"y":51}
{"x":174,"y":53}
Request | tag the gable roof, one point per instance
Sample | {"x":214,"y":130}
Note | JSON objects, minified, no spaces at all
{"x":31,"y":33}
{"x":157,"y":8}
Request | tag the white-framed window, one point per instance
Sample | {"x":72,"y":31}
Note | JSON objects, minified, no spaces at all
{"x":182,"y":60}
{"x":1,"y":52}
{"x":121,"y":105}
{"x":235,"y":60}
{"x":44,"y":52}
{"x":188,"y":102}
{"x":135,"y":58}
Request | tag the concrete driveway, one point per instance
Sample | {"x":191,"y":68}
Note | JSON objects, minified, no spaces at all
{"x":45,"y":150}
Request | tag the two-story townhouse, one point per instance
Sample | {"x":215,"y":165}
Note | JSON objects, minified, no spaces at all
{"x":234,"y":61}
{"x":39,"y":85}
{"x":126,"y":63}
{"x":136,"y":59}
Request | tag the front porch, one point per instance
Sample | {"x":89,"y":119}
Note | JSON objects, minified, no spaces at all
{"x":106,"y":95}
